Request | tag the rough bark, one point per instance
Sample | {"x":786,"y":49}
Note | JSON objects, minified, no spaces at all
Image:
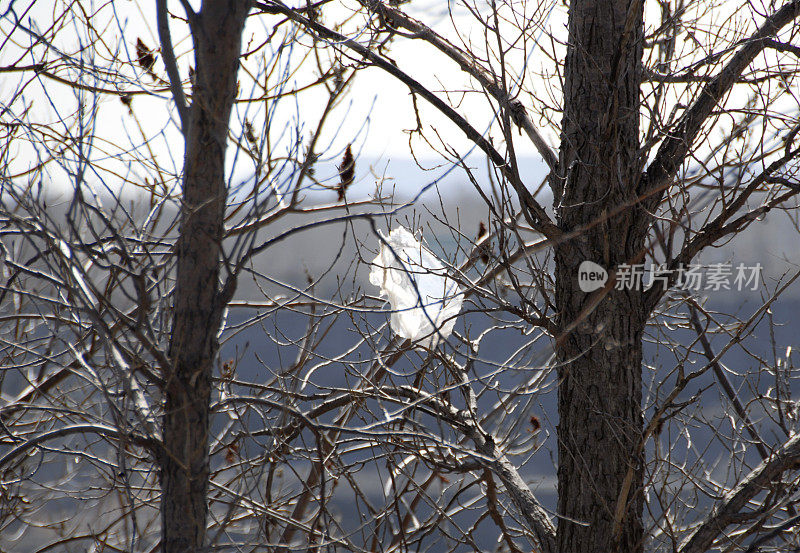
{"x":600,"y":346}
{"x":217,"y":31}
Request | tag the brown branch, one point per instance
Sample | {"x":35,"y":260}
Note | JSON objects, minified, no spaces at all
{"x":729,"y":510}
{"x":718,"y":228}
{"x":535,"y":214}
{"x":89,"y":88}
{"x":494,"y":513}
{"x":396,"y":18}
{"x":151,"y":444}
{"x":170,"y":63}
{"x":37,"y":67}
{"x":675,"y":148}
{"x":759,"y":443}
{"x":783,"y":47}
{"x":494,"y":459}
{"x":724,"y":382}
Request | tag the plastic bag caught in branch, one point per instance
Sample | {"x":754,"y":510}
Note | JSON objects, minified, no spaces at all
{"x":424,"y":300}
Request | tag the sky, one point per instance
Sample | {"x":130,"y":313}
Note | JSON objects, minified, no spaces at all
{"x":376,"y":114}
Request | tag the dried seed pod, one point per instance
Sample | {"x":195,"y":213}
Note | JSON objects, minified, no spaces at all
{"x":127,"y":101}
{"x":249,"y":133}
{"x":227,"y":370}
{"x":145,"y":56}
{"x":484,"y":249}
{"x":347,"y":172}
{"x":231,"y":452}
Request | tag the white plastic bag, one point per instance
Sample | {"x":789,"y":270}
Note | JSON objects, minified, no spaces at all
{"x":424,"y":300}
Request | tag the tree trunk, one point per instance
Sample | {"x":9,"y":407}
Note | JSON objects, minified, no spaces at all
{"x":217,"y":35}
{"x":600,"y":386}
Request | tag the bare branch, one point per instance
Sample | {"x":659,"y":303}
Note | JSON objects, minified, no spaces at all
{"x":535,"y":214}
{"x":494,"y":458}
{"x":153,"y":445}
{"x":731,"y":508}
{"x":725,"y":382}
{"x":680,"y":140}
{"x":394,"y":17}
{"x":168,"y":55}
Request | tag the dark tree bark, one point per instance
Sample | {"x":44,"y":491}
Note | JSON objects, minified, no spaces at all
{"x":600,"y":346}
{"x":217,"y":31}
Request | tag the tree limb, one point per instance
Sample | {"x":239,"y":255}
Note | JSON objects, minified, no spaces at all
{"x":495,"y":460}
{"x":535,"y":214}
{"x":717,"y":229}
{"x":676,"y":146}
{"x":151,"y":444}
{"x":396,"y":18}
{"x":730,"y":509}
{"x":724,"y":382}
{"x":171,"y":64}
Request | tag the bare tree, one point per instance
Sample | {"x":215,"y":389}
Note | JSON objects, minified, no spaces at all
{"x":198,"y":302}
{"x":132,"y":303}
{"x":677,"y":125}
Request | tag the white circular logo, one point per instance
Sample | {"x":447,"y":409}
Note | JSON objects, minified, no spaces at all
{"x":591,"y":276}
